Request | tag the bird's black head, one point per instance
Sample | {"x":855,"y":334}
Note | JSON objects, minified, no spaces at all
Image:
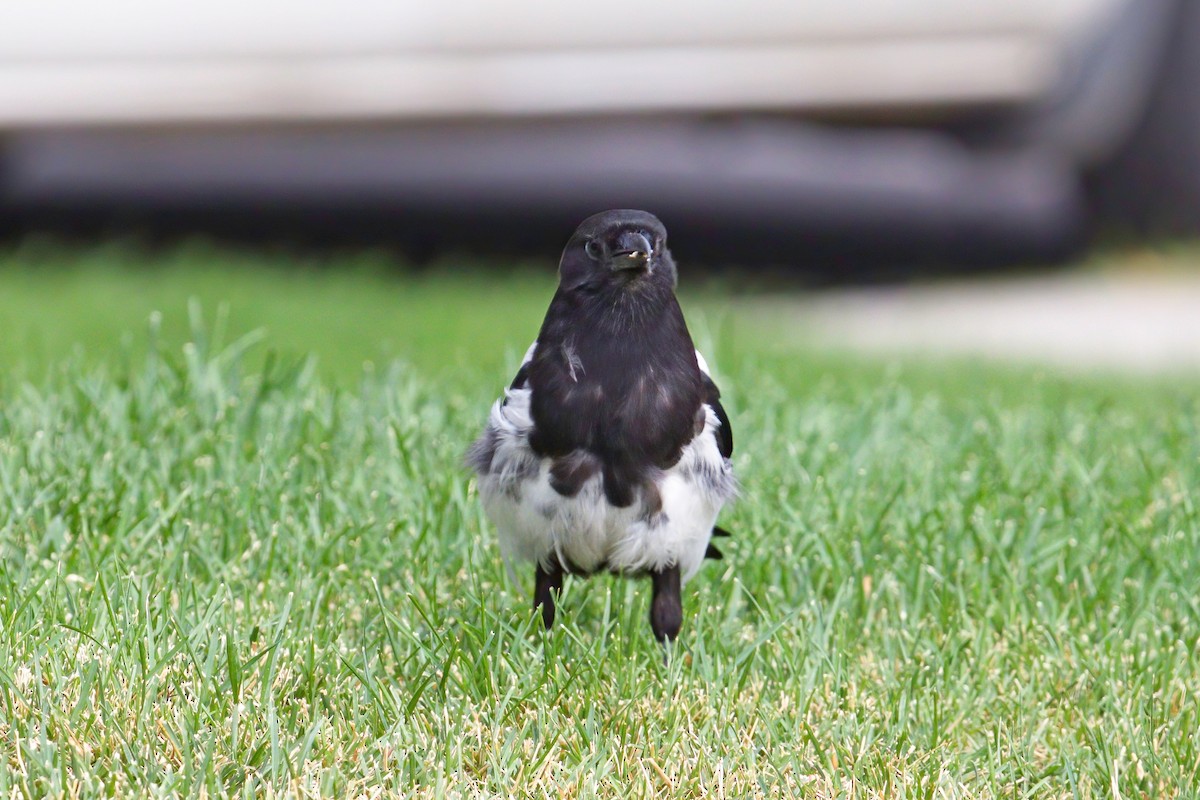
{"x":617,"y":249}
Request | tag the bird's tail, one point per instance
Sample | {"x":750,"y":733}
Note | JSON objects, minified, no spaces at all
{"x":712,"y":551}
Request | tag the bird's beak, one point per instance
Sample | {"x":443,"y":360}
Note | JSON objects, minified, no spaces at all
{"x":633,"y":251}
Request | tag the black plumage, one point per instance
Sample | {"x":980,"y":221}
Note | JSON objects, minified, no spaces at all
{"x":615,"y":371}
{"x":619,"y":411}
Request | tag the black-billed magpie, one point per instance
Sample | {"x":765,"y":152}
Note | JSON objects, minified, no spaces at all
{"x":610,"y":450}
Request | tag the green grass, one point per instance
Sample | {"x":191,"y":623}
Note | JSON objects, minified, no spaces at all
{"x":230,"y":568}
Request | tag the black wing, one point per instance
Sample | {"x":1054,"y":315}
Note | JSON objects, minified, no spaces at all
{"x":712,"y":397}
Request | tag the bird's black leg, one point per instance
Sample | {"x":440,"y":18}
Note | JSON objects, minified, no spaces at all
{"x":547,"y":584}
{"x":666,"y":609}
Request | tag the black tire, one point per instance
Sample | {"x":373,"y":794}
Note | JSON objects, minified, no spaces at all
{"x":1152,"y":185}
{"x":6,"y":211}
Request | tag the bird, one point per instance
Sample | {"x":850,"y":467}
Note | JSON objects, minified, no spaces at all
{"x":610,"y":449}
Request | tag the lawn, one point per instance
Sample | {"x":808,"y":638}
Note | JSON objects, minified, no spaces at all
{"x":239,"y":556}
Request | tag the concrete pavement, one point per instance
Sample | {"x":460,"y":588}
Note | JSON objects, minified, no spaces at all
{"x":1083,"y":320}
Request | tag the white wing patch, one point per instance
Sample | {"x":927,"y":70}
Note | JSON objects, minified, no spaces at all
{"x":529,"y":354}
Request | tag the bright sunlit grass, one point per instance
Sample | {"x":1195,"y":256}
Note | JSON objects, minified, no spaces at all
{"x":229,"y":568}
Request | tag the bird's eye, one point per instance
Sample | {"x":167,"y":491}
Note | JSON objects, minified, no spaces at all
{"x":592,"y":248}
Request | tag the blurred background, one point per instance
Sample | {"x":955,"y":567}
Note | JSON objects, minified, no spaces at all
{"x":834,"y":142}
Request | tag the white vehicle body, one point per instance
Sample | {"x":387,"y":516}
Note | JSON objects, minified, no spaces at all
{"x":936,"y":121}
{"x":145,"y":61}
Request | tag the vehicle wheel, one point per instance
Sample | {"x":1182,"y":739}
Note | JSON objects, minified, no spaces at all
{"x":1152,"y":185}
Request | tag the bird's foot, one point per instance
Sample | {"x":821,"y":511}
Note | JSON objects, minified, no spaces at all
{"x":547,"y":584}
{"x":666,"y":608}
